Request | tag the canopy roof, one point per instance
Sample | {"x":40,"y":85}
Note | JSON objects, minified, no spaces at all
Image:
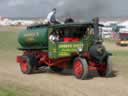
{"x":63,"y":25}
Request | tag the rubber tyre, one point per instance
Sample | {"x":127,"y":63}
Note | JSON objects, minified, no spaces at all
{"x":109,"y":67}
{"x":80,"y":68}
{"x":56,"y":69}
{"x":108,"y":71}
{"x":29,"y":64}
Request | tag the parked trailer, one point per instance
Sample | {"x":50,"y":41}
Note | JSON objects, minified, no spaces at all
{"x":64,"y":46}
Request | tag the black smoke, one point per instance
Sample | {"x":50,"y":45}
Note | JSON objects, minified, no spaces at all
{"x":77,"y":8}
{"x":86,"y":9}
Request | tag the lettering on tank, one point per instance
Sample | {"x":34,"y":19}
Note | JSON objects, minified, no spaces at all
{"x":30,"y":37}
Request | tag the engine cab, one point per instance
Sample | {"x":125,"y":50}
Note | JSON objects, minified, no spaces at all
{"x":65,"y":40}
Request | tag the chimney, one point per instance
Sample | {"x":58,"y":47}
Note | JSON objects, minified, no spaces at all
{"x":96,"y":27}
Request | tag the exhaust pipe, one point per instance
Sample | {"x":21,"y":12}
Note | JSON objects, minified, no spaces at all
{"x":97,"y":38}
{"x":96,"y":27}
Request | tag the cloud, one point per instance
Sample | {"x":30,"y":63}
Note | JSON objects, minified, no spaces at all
{"x":60,"y":4}
{"x":13,"y":3}
{"x":80,"y":8}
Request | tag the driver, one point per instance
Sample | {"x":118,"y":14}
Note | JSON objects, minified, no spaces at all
{"x":54,"y":37}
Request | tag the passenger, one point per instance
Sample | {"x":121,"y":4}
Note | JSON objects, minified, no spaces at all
{"x":61,"y":36}
{"x":54,"y":37}
{"x":51,"y":17}
{"x":84,"y":33}
{"x":90,"y":30}
{"x":57,"y":37}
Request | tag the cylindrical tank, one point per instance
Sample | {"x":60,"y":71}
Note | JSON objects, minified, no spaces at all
{"x":34,"y":38}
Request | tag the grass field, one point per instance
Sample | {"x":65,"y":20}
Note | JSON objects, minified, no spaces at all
{"x":8,"y":45}
{"x":8,"y":53}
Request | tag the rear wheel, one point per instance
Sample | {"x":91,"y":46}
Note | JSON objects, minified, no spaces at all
{"x":27,"y":66}
{"x":80,"y":68}
{"x":108,"y":68}
{"x":56,"y":69}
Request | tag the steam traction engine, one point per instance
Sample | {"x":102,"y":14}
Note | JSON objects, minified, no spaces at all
{"x":64,"y":46}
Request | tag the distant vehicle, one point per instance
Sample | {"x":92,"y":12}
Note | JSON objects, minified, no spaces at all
{"x":122,"y":39}
{"x":64,"y":46}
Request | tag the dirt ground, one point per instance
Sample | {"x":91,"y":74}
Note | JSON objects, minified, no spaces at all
{"x":52,"y":84}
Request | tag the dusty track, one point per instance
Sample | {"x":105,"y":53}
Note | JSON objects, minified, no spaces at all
{"x":52,"y":84}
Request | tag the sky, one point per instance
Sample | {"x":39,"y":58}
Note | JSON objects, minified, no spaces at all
{"x":77,"y":8}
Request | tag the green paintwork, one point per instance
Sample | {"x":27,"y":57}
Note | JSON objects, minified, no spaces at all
{"x":61,"y":49}
{"x":34,"y":38}
{"x":87,"y":42}
{"x":66,"y":49}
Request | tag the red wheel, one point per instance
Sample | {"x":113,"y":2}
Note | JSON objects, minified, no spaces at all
{"x":24,"y":66}
{"x":108,"y":68}
{"x":80,"y":68}
{"x":27,"y":66}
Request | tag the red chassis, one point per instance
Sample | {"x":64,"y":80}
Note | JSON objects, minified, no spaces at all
{"x":42,"y":59}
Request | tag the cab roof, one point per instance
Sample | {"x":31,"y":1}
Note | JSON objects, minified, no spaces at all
{"x":63,"y":25}
{"x":71,"y":25}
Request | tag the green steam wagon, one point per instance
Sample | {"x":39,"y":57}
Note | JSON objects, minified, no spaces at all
{"x":64,"y":46}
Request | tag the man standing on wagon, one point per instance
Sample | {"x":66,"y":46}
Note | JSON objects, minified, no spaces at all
{"x":51,"y":17}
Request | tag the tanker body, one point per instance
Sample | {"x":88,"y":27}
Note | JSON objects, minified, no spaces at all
{"x":34,"y":38}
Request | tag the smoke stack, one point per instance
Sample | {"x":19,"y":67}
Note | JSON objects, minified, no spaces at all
{"x":96,"y":27}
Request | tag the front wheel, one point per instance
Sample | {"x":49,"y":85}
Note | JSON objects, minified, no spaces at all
{"x":108,"y":70}
{"x":80,"y":68}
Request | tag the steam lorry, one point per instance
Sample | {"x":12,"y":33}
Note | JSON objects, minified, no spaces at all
{"x":79,"y":47}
